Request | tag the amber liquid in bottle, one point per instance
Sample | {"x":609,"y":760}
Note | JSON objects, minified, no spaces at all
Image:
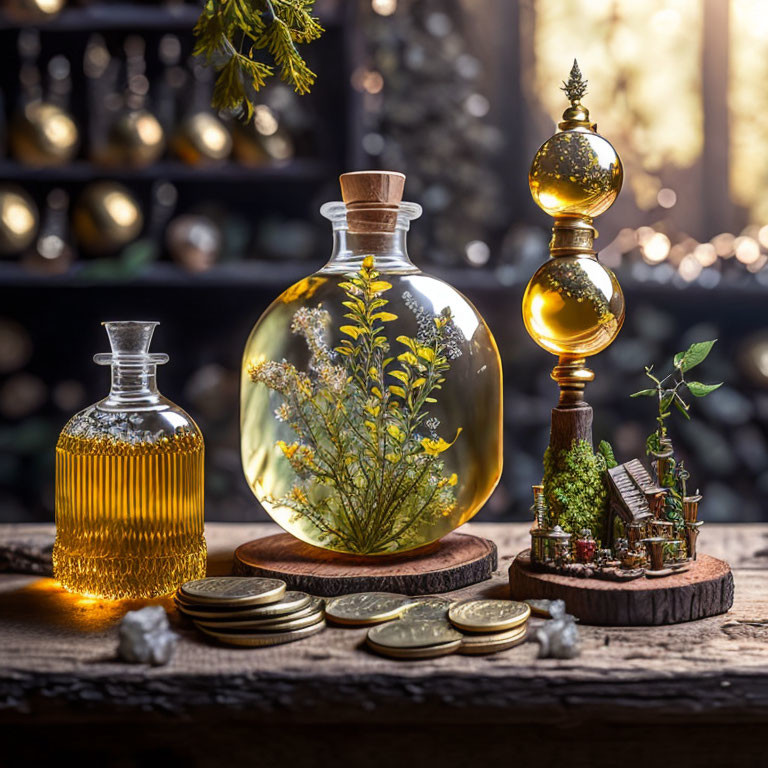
{"x":129,"y":484}
{"x":573,"y":305}
{"x":128,"y":516}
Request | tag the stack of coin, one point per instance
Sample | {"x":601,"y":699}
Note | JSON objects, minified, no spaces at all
{"x":414,"y":639}
{"x":251,"y":612}
{"x":404,"y":627}
{"x":428,"y":627}
{"x":490,"y":625}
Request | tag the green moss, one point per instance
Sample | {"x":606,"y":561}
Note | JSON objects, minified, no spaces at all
{"x":575,"y":489}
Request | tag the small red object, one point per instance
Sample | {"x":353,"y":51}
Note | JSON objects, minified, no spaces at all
{"x":586,"y":547}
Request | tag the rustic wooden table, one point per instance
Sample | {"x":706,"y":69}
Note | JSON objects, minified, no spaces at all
{"x":635,"y":696}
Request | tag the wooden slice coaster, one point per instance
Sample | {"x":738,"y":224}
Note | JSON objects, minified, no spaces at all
{"x":705,"y":589}
{"x":458,"y":560}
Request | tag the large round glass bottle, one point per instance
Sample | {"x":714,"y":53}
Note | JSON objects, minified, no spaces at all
{"x":129,"y":483}
{"x":371,"y":400}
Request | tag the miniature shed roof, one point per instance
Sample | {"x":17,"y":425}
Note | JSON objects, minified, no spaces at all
{"x":629,"y":483}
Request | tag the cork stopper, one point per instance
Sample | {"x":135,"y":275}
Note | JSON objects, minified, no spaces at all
{"x":372,"y":199}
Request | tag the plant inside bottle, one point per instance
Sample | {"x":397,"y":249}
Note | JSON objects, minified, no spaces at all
{"x":360,"y":421}
{"x":371,"y":392}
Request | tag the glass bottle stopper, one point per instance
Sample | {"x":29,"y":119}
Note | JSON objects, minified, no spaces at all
{"x":130,"y":340}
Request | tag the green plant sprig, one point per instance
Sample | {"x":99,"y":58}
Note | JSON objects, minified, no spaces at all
{"x":368,"y":477}
{"x":668,"y":391}
{"x":229,"y":33}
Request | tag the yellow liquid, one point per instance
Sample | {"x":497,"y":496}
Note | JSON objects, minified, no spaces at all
{"x":575,"y":172}
{"x":129,"y":517}
{"x":573,"y":306}
{"x":380,"y":509}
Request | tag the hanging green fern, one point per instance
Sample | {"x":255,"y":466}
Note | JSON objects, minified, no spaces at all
{"x":229,"y":33}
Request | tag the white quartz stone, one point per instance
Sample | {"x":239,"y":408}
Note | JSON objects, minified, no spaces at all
{"x":146,"y":637}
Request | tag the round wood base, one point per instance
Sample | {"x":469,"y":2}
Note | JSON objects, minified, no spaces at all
{"x":457,"y":560}
{"x":705,"y":589}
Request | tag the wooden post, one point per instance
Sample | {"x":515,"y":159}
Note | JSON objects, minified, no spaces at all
{"x":570,"y":425}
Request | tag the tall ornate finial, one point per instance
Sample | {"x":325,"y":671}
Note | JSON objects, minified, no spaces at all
{"x":576,"y":87}
{"x":576,"y":115}
{"x":573,"y":306}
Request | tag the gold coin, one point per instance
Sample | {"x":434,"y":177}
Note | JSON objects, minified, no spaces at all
{"x":366,"y":608}
{"x":273,"y":625}
{"x":413,"y":633}
{"x":428,"y":608}
{"x":476,"y":638}
{"x":488,"y":615}
{"x":291,"y":604}
{"x":429,"y":652}
{"x":233,"y":590}
{"x":264,"y":639}
{"x":314,"y":609}
{"x":493,"y":646}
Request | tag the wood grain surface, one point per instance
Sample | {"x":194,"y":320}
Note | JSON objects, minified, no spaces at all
{"x":457,"y":560}
{"x":58,"y":662}
{"x":705,"y":589}
{"x":570,"y":425}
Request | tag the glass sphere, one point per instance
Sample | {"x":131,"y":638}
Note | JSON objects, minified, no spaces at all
{"x":371,"y":398}
{"x":573,"y":305}
{"x":43,"y":135}
{"x":575,"y":173}
{"x":135,"y":140}
{"x":18,"y":219}
{"x":106,"y":216}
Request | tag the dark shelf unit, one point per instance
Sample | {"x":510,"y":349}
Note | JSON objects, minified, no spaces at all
{"x":172,"y":17}
{"x":276,"y":191}
{"x":205,"y":317}
{"x":101,"y":17}
{"x":307,"y":171}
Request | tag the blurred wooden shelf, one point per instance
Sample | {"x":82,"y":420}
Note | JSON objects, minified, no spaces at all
{"x":276,"y":274}
{"x":269,"y":274}
{"x":300,"y":170}
{"x":273,"y":275}
{"x":100,"y":17}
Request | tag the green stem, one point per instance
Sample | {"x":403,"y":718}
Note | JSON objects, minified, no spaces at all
{"x":320,"y":451}
{"x":411,"y":522}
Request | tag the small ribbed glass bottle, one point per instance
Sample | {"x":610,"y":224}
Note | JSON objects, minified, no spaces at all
{"x":129,"y":483}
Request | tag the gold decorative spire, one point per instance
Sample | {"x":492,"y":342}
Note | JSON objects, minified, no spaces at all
{"x":576,"y":87}
{"x":577,"y":115}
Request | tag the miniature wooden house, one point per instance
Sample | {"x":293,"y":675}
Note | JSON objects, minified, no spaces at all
{"x":632,"y":498}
